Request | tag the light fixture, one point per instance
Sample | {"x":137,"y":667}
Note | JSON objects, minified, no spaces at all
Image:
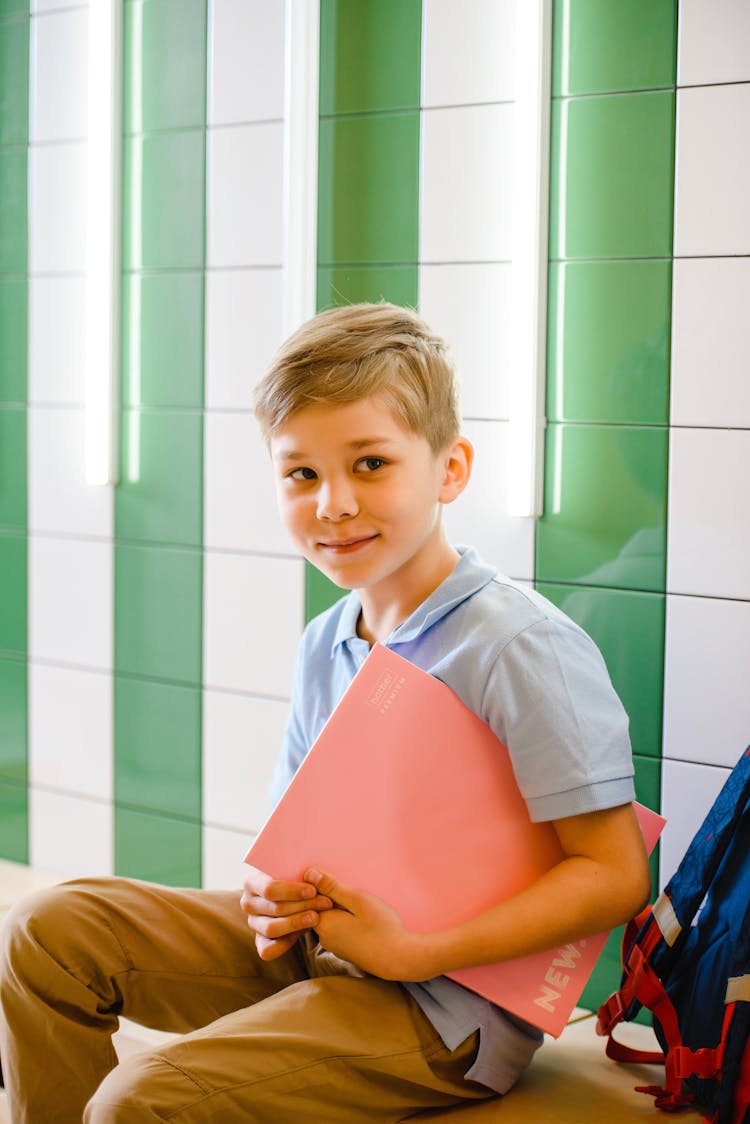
{"x":529,"y":278}
{"x":103,"y":240}
{"x":300,"y":161}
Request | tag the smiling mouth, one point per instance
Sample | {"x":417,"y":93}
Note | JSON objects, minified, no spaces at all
{"x":344,"y":546}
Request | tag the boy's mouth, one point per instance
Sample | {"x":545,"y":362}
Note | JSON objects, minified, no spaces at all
{"x":346,"y":546}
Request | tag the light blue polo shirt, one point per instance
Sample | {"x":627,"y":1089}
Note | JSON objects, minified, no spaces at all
{"x":542,"y":686}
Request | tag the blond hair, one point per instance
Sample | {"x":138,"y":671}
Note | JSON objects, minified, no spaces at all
{"x":361,"y":350}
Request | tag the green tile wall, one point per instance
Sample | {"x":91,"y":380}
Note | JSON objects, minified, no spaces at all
{"x":625,"y":210}
{"x":601,"y":543}
{"x":368,"y":167}
{"x":14,"y":138}
{"x":159,"y":501}
{"x":601,"y":46}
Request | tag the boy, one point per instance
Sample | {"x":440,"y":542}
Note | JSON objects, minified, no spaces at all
{"x":339,"y":1013}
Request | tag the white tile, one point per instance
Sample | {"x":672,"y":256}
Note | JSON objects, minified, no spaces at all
{"x":709,"y":512}
{"x":56,"y":5}
{"x":223,"y":868}
{"x":70,"y":835}
{"x":59,"y":497}
{"x":239,"y":494}
{"x":465,"y":213}
{"x":57,"y":310}
{"x":70,"y":601}
{"x":707,"y":661}
{"x":478,"y":518}
{"x":687,"y":794}
{"x":714,"y":42}
{"x":70,"y":730}
{"x":469,"y":305}
{"x":242,"y":739}
{"x":246,"y":61}
{"x":245,"y":195}
{"x":468,"y":51}
{"x":253,"y":617}
{"x":710,"y":342}
{"x":712,"y":171}
{"x":57,"y":208}
{"x":58,"y":88}
{"x":243,"y":330}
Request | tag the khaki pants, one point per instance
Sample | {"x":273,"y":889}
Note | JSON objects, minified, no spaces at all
{"x":299,"y":1038}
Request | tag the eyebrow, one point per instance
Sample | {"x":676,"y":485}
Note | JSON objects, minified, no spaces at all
{"x":355,"y":446}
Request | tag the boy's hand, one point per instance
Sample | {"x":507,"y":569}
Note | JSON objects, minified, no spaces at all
{"x":279,"y":912}
{"x":365,"y":930}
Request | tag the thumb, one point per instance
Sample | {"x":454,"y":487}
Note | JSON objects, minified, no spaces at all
{"x":338,"y":892}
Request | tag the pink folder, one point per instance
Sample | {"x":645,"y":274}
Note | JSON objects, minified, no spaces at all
{"x":408,"y":793}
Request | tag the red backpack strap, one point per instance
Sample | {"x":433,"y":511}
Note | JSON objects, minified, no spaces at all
{"x":641,"y":983}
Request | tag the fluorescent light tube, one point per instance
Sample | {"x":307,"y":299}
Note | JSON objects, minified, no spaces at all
{"x":529,"y":280}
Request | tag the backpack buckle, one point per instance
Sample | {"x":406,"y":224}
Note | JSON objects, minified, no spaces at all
{"x":609,"y":1014}
{"x":684,"y":1062}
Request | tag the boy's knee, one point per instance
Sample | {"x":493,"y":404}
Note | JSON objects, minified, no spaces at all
{"x":49,"y":922}
{"x":141,"y":1088}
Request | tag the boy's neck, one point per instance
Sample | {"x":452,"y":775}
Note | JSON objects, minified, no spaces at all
{"x":382,"y":613}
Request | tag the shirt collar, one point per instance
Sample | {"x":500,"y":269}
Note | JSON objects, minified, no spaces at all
{"x":469,"y":575}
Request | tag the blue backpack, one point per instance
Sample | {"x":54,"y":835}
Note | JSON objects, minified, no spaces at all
{"x":687,"y":959}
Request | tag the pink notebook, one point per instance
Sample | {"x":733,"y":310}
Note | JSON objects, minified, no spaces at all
{"x":407,"y":791}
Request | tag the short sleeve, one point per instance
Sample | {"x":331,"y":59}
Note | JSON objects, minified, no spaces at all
{"x":550,"y":699}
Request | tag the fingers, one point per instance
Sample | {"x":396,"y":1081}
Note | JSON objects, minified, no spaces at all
{"x":264,"y":896}
{"x":275,"y":928}
{"x":273,"y":949}
{"x":338,"y":892}
{"x":273,"y":889}
{"x":257,"y":906}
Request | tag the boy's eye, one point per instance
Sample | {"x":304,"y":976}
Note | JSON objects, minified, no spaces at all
{"x":303,"y":473}
{"x":369,"y":464}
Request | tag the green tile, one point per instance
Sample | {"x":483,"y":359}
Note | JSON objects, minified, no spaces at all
{"x":13,"y":339}
{"x":164,"y":64}
{"x":158,"y":612}
{"x":601,"y":47}
{"x":611,"y":186}
{"x":628,"y":628}
{"x":13,"y":594}
{"x":13,"y":467}
{"x":158,"y":747}
{"x":163,"y":201}
{"x":605,"y":978}
{"x":13,"y":213}
{"x":159,"y":498}
{"x":604,"y":520}
{"x":368,"y":190}
{"x":370,"y":55}
{"x":320,"y":592}
{"x":395,"y":283}
{"x":14,"y":82}
{"x":14,"y":822}
{"x":157,"y":848}
{"x":608,"y":342}
{"x":13,"y":751}
{"x":10,"y":8}
{"x":162,"y":340}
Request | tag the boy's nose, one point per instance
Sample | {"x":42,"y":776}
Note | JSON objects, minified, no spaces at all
{"x":336,"y":500}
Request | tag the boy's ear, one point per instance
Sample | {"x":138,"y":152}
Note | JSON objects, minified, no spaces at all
{"x":458,"y":459}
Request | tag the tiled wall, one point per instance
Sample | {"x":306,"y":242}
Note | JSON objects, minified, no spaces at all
{"x":14,"y":135}
{"x":253,"y":588}
{"x":163,"y":615}
{"x":706,"y":696}
{"x":601,"y":544}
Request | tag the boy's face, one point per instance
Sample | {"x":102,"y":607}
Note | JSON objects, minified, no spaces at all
{"x":361,"y":494}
